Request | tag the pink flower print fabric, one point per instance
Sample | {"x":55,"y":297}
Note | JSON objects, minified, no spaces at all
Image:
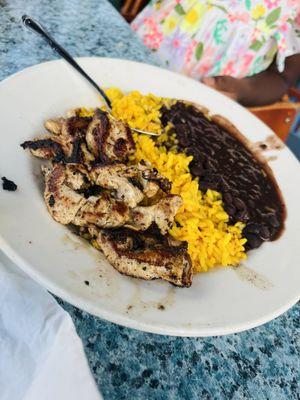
{"x":228,"y":37}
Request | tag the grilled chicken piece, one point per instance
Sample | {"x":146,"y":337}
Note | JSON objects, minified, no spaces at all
{"x":151,"y":175}
{"x":76,"y":176}
{"x":79,"y":139}
{"x":72,"y":137}
{"x":47,"y":148}
{"x":75,"y":126}
{"x":102,"y":211}
{"x":68,"y":206}
{"x":146,"y":256}
{"x":63,"y":203}
{"x":113,"y":177}
{"x":67,"y":143}
{"x":108,"y":139}
{"x":70,"y":199}
{"x":54,"y":125}
{"x":161,"y":213}
{"x":129,"y":183}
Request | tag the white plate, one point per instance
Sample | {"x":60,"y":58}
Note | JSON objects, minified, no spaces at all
{"x":220,"y":302}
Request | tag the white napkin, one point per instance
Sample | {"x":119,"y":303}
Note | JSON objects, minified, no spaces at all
{"x":41,"y":356}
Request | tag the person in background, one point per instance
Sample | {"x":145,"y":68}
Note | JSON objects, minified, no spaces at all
{"x":247,"y":49}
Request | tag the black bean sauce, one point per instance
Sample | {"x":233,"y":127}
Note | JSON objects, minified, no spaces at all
{"x":223,"y":163}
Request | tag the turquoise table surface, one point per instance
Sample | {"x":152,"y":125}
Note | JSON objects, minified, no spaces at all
{"x":263,"y":363}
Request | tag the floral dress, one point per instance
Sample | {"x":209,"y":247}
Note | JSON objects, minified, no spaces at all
{"x":220,"y":37}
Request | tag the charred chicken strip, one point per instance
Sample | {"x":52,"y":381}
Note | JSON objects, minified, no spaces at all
{"x":46,"y":148}
{"x":67,"y":144}
{"x":161,"y":213}
{"x":63,"y":203}
{"x":83,"y":139}
{"x":113,"y":177}
{"x":76,"y":176}
{"x":102,"y":211}
{"x":145,"y":255}
{"x":54,"y":125}
{"x":68,"y":206}
{"x":130,"y":183}
{"x":72,"y":136}
{"x":75,"y":126}
{"x":108,"y":139}
{"x":66,"y":186}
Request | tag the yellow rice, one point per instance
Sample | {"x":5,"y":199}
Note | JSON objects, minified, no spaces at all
{"x":141,"y":112}
{"x":201,"y":221}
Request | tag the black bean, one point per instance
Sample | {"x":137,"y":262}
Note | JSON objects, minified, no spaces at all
{"x":251,"y":203}
{"x":231,"y":210}
{"x":203,"y":185}
{"x":265,"y":232}
{"x":208,"y":164}
{"x":240,"y":205}
{"x":224,"y":186}
{"x":183,"y":141}
{"x":243,"y":216}
{"x":273,"y":221}
{"x":227,"y":198}
{"x":196,"y":169}
{"x":252,"y":228}
{"x":253,"y":241}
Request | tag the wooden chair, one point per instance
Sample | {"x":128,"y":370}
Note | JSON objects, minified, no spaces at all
{"x":280,"y":116}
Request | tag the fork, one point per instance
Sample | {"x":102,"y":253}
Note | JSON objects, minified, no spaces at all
{"x":33,"y":25}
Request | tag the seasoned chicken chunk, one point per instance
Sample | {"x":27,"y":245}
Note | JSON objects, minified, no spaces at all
{"x":54,"y":125}
{"x":114,"y":177}
{"x":109,"y":139}
{"x":47,"y":148}
{"x":63,"y":203}
{"x":145,"y":255}
{"x":161,"y":213}
{"x":102,"y":211}
{"x":130,"y":183}
{"x":76,"y":176}
{"x":68,"y":206}
{"x":67,"y":144}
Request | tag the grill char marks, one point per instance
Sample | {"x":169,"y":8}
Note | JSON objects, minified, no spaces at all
{"x":109,"y":140}
{"x":76,"y":156}
{"x":97,"y":135}
{"x":84,"y":140}
{"x":67,"y":194}
{"x":152,"y":175}
{"x":76,"y":126}
{"x":120,"y":148}
{"x":44,"y":148}
{"x":145,"y":255}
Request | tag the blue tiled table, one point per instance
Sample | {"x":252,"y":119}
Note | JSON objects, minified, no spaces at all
{"x":259,"y":364}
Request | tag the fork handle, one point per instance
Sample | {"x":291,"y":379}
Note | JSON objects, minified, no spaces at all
{"x":37,"y":28}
